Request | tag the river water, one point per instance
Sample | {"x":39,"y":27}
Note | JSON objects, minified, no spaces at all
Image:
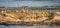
{"x":12,"y":3}
{"x":15,"y":26}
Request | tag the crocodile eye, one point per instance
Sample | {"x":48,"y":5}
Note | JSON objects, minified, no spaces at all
{"x":4,"y":15}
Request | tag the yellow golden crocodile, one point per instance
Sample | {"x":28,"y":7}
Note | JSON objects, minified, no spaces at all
{"x":40,"y":15}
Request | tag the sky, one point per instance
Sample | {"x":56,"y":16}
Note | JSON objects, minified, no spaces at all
{"x":19,"y":3}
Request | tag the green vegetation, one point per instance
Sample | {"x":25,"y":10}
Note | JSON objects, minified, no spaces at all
{"x":43,"y":8}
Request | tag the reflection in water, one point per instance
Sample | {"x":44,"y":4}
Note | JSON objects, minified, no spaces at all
{"x":14,"y":26}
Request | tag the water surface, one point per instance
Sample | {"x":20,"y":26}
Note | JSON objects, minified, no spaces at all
{"x":11,"y":3}
{"x":12,"y":26}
